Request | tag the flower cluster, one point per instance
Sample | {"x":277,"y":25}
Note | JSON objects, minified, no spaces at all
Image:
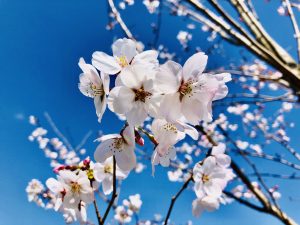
{"x":175,"y":97}
{"x":131,"y":206}
{"x":211,"y":177}
{"x":74,"y":188}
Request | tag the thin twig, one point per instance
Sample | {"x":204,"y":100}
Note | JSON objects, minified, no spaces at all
{"x":84,"y":140}
{"x":57,"y":131}
{"x":174,"y":198}
{"x":244,"y":202}
{"x":97,"y":213}
{"x":119,"y":19}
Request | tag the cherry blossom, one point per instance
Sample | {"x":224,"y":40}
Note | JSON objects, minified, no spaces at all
{"x":103,"y":173}
{"x":124,"y":54}
{"x":136,"y":97}
{"x":71,"y":188}
{"x":151,"y":5}
{"x":34,"y":189}
{"x":209,"y":179}
{"x":121,"y":146}
{"x":167,"y":134}
{"x":207,"y":203}
{"x":94,"y":86}
{"x":188,"y":92}
{"x":219,"y":153}
{"x":123,"y":215}
{"x":134,"y":203}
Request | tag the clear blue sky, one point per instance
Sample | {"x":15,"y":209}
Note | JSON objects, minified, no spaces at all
{"x":40,"y":44}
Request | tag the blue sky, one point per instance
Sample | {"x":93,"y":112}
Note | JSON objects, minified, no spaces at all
{"x":41,"y":42}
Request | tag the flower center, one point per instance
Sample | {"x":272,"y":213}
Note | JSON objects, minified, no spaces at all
{"x":97,"y":91}
{"x":141,"y":94}
{"x":123,"y":215}
{"x":170,"y":127}
{"x":108,"y":169}
{"x":185,"y":89}
{"x":75,"y":187}
{"x":205,"y":178}
{"x":122,"y":61}
{"x":118,"y":143}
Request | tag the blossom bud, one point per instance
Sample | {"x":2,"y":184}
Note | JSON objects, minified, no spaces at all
{"x":58,"y":168}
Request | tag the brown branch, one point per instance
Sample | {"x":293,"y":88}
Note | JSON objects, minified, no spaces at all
{"x":295,"y":26}
{"x":174,"y":198}
{"x":244,"y":202}
{"x":270,"y":208}
{"x":97,"y":213}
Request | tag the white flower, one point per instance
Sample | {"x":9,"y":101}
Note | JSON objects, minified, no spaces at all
{"x":139,"y":167}
{"x":94,"y":86}
{"x":72,"y":215}
{"x":167,"y":134}
{"x":209,"y":178}
{"x":122,"y":215}
{"x":219,"y":153}
{"x":33,"y":120}
{"x":103,"y":173}
{"x":187,"y":91}
{"x":124,"y":54}
{"x":238,"y":109}
{"x":71,"y":188}
{"x":134,"y":203}
{"x":121,"y":146}
{"x":207,"y":203}
{"x":58,"y":188}
{"x":151,"y":5}
{"x":136,"y":97}
{"x":175,"y":175}
{"x":256,"y":148}
{"x":33,"y":189}
{"x":242,"y":144}
{"x":184,"y":37}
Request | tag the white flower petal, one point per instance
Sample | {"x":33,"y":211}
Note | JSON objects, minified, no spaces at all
{"x":124,"y":47}
{"x":121,"y":99}
{"x":104,"y":150}
{"x":137,"y":115}
{"x":149,"y":57}
{"x":126,"y":158}
{"x":194,"y":66}
{"x":105,"y":63}
{"x":170,"y":107}
{"x":168,"y":77}
{"x":107,"y":186}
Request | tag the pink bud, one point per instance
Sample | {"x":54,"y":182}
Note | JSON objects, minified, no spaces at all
{"x":58,"y":168}
{"x":87,"y":161}
{"x":139,"y":140}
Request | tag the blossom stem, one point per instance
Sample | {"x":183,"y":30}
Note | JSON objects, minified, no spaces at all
{"x":96,"y":208}
{"x":150,"y":136}
{"x":174,"y":198}
{"x":97,"y":213}
{"x":114,"y":193}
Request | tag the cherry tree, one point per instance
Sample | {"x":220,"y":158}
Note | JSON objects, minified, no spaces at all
{"x":209,"y":128}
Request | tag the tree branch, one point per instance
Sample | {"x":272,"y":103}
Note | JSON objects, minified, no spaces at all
{"x":174,"y":198}
{"x":295,"y":26}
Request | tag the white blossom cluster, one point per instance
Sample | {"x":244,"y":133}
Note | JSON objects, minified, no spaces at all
{"x":211,"y":177}
{"x":54,"y":148}
{"x":164,"y":102}
{"x":173,"y":95}
{"x":130,"y":207}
